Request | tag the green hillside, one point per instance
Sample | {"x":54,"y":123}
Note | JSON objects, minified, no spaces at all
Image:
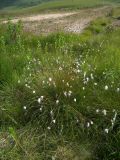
{"x":47,"y":4}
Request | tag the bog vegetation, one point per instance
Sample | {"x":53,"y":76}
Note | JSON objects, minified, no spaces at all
{"x":60,"y":94}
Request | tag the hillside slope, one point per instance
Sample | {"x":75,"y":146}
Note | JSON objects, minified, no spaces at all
{"x":53,"y":3}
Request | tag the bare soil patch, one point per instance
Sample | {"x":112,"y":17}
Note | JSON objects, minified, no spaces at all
{"x":75,"y":21}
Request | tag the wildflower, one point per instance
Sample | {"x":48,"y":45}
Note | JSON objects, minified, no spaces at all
{"x":106,"y":130}
{"x":34,"y":92}
{"x":57,"y":101}
{"x":87,"y":79}
{"x":104,"y":112}
{"x":91,"y":122}
{"x":88,"y":124}
{"x":91,"y":76}
{"x":60,"y":68}
{"x":39,"y":100}
{"x":43,"y":82}
{"x":24,"y":107}
{"x":106,"y":87}
{"x":78,"y":71}
{"x":65,"y":94}
{"x":51,"y":112}
{"x":53,"y":120}
{"x":41,"y":109}
{"x":75,"y":100}
{"x":83,"y":88}
{"x":97,"y":110}
{"x":48,"y":128}
{"x":26,"y":85}
{"x":95,"y":84}
{"x":50,"y":79}
{"x":67,"y":84}
{"x":118,"y":89}
{"x":84,"y":74}
{"x":69,"y":93}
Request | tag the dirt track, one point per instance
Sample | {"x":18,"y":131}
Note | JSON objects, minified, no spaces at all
{"x":69,"y":22}
{"x":40,"y":17}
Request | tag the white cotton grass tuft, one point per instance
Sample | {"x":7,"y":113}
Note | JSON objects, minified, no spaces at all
{"x":106,"y":87}
{"x":24,"y":107}
{"x":50,"y":79}
{"x":40,"y":99}
{"x":75,"y":99}
{"x":49,"y":128}
{"x":104,"y":112}
{"x":34,"y":92}
{"x":88,"y":124}
{"x":118,"y":89}
{"x":97,"y":110}
{"x":54,"y":121}
{"x":106,"y":130}
{"x":57,"y":101}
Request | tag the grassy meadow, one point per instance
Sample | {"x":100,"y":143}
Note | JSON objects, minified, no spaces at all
{"x":60,"y":94}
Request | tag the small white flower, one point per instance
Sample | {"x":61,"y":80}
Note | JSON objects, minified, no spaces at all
{"x":69,"y":93}
{"x":39,"y":100}
{"x":87,"y":79}
{"x":41,"y":109}
{"x":88,"y":124}
{"x":106,"y":87}
{"x":92,"y":76}
{"x":57,"y":101}
{"x":34,"y":92}
{"x":95,"y":84}
{"x":67,"y":84}
{"x":65,"y":94}
{"x":50,"y":79}
{"x":78,"y":71}
{"x":48,"y":128}
{"x":75,"y":100}
{"x":24,"y":107}
{"x":118,"y":89}
{"x":91,"y":122}
{"x":26,"y":85}
{"x":83,"y":88}
{"x":104,"y":112}
{"x":106,"y":130}
{"x":60,"y":68}
{"x":51,"y":112}
{"x":54,"y":121}
{"x":97,"y":110}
